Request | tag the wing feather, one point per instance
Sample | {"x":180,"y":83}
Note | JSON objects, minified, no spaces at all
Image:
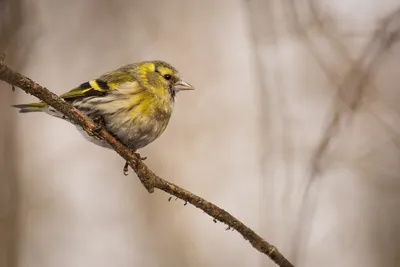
{"x":102,"y":86}
{"x":95,"y":87}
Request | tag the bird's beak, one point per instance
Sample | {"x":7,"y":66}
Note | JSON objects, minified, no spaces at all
{"x":181,"y":85}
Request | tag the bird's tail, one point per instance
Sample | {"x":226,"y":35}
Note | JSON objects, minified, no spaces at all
{"x":31,"y":107}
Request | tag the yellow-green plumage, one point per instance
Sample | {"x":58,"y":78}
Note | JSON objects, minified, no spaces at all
{"x":135,"y":101}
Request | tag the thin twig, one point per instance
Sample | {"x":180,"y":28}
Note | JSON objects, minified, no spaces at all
{"x":146,"y":176}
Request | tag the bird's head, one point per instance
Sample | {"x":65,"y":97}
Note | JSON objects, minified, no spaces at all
{"x":161,"y":77}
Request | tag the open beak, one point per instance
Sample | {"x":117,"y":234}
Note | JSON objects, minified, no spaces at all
{"x":181,"y":85}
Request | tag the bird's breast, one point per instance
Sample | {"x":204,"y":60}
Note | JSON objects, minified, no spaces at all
{"x":140,"y":126}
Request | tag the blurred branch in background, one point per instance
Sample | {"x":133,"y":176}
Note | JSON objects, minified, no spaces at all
{"x":11,"y":23}
{"x":349,"y":86}
{"x":146,"y":176}
{"x":350,"y":75}
{"x":273,"y":120}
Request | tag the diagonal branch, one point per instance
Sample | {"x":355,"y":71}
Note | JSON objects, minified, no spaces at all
{"x":146,"y":176}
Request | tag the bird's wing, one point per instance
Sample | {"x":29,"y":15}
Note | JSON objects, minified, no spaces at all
{"x":95,"y":87}
{"x":107,"y":83}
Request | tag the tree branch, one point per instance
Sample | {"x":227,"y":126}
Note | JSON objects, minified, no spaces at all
{"x":146,"y":176}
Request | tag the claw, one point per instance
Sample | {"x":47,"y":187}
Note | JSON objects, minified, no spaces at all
{"x":126,"y":169}
{"x":140,"y":157}
{"x":100,"y":123}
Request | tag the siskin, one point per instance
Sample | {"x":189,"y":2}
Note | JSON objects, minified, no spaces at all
{"x":134,"y":102}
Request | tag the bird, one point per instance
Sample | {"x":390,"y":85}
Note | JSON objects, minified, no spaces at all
{"x":134,"y":103}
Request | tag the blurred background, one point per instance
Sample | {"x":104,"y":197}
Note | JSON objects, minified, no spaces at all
{"x":294,"y":128}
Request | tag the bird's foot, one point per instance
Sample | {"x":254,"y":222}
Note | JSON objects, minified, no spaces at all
{"x":100,"y":123}
{"x":140,"y":157}
{"x":126,"y":166}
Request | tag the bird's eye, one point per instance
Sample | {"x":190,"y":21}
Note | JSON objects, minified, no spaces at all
{"x":167,"y":77}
